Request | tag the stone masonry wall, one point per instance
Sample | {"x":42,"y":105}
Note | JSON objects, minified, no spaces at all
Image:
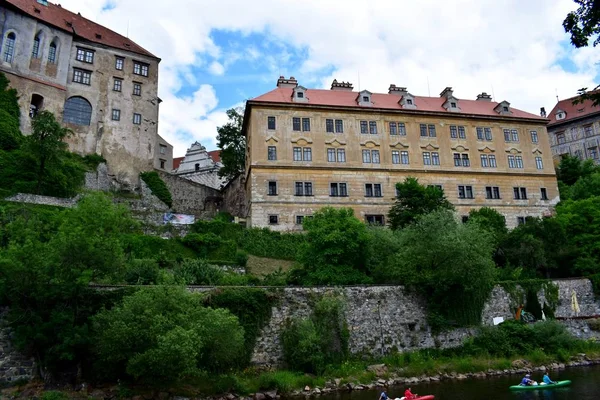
{"x":383,"y":319}
{"x":13,"y":365}
{"x":192,"y":198}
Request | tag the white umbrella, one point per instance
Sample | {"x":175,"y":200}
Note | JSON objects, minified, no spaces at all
{"x":575,"y":303}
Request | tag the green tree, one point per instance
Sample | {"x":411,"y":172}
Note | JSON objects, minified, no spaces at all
{"x":335,"y":251}
{"x":490,"y":219}
{"x":584,"y":24}
{"x":572,"y":168}
{"x":232,"y":143}
{"x":162,"y":335}
{"x":449,"y":263}
{"x":46,"y":143}
{"x":9,"y":99}
{"x":413,"y":200}
{"x":585,"y":187}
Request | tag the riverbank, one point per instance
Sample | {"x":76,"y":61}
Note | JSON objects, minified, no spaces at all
{"x":350,"y":376}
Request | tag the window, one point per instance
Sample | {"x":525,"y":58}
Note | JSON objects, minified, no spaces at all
{"x":271,"y":123}
{"x":338,"y":190}
{"x":461,"y":160}
{"x":397,"y":128}
{"x":457,"y":162}
{"x":431,"y":129}
{"x":302,"y":154}
{"x":163,"y":149}
{"x":423,"y":130}
{"x":118,"y":85}
{"x":492,"y":192}
{"x":461,"y":132}
{"x":514,"y":135}
{"x":272,"y":153}
{"x":119,"y":61}
{"x":373,"y":127}
{"x":329,"y":125}
{"x":465,"y":160}
{"x":77,"y":111}
{"x":488,"y":133}
{"x":488,"y":161}
{"x":306,"y":124}
{"x":593,"y":152}
{"x":331,"y":155}
{"x":426,"y":158}
{"x":560,"y":138}
{"x":116,"y":116}
{"x":341,"y":155}
{"x":479,"y":133}
{"x":520,"y":193}
{"x":520,"y":220}
{"x":544,"y":194}
{"x":300,"y":95}
{"x":36,"y":104}
{"x":304,"y":189}
{"x":36,"y":47}
{"x":137,"y":89}
{"x":393,"y":128}
{"x":452,"y":104}
{"x":84,"y":55}
{"x":435,"y":158}
{"x":299,"y":219}
{"x":504,"y":108}
{"x":137,"y":118}
{"x":272,"y":188}
{"x":373,"y":190}
{"x":366,"y":156}
{"x":197,"y":167}
{"x":395,"y":157}
{"x":366,"y":99}
{"x":515,"y":162}
{"x":492,"y":160}
{"x":364,"y":127}
{"x":539,"y":163}
{"x":375,"y":156}
{"x":465,"y":192}
{"x":507,"y":135}
{"x":82,"y":76}
{"x":453,"y":132}
{"x":404,"y":157}
{"x":374,"y":219}
{"x":52,"y":53}
{"x":296,"y":124}
{"x":162,"y":164}
{"x":484,"y":161}
{"x":339,"y":126}
{"x":9,"y":47}
{"x":273,"y":219}
{"x":484,"y":133}
{"x":140,"y":68}
{"x":409,"y":101}
{"x":534,"y":136}
{"x":588,"y":130}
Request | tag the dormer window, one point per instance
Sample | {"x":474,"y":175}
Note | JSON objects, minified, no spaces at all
{"x":503,"y":108}
{"x":453,"y":104}
{"x":365,"y":98}
{"x":560,"y":115}
{"x":409,"y":101}
{"x":299,"y":94}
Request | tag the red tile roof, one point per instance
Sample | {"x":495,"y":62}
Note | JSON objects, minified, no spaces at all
{"x":215,"y":155}
{"x":387,"y":101}
{"x":177,"y":162}
{"x":572,"y":111}
{"x":58,"y":17}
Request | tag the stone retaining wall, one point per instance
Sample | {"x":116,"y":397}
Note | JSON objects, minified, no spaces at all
{"x":13,"y":365}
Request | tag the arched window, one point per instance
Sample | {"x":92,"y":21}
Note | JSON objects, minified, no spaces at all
{"x":77,"y":111}
{"x":35,"y":53}
{"x":52,"y":53}
{"x":36,"y":105}
{"x":9,"y":47}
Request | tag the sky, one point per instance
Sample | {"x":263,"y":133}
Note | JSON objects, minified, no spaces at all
{"x":216,"y":54}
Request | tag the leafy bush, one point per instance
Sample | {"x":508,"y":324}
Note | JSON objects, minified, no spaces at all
{"x":209,"y":245}
{"x":170,"y":336}
{"x":198,"y":272}
{"x":142,"y":272}
{"x":54,"y":395}
{"x":157,"y":186}
{"x":10,"y":136}
{"x":165,"y":251}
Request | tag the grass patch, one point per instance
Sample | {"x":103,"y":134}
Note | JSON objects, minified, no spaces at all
{"x":261,"y":266}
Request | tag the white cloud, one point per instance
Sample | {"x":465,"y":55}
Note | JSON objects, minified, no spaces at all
{"x":510,"y":47}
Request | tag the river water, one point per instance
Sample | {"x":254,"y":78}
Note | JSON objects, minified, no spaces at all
{"x":585,"y":386}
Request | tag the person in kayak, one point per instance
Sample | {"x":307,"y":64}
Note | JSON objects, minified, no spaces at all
{"x":383,"y":396}
{"x":547,"y":380}
{"x":408,"y":395}
{"x":527,"y":381}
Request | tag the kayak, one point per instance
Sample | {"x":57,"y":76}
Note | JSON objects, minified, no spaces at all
{"x":426,"y":397}
{"x":541,"y":387}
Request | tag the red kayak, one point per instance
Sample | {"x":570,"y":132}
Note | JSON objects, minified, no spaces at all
{"x":426,"y":397}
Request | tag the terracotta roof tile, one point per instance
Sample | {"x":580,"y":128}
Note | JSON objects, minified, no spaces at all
{"x":177,"y":162}
{"x":215,"y":155}
{"x":59,"y":17}
{"x":387,"y":101}
{"x":572,"y":111}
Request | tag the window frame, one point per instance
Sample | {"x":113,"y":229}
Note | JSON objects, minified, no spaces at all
{"x":137,"y":118}
{"x":84,"y":75}
{"x":271,"y":153}
{"x":329,"y":125}
{"x":426,"y":158}
{"x":117,"y":85}
{"x":273,"y":219}
{"x":137,"y":89}
{"x":52,"y":53}
{"x":121,"y":64}
{"x":87,"y":55}
{"x":117,"y":113}
{"x":141,"y":68}
{"x":9,"y":44}
{"x":534,"y":136}
{"x":305,"y":124}
{"x":539,"y":162}
{"x":373,"y":127}
{"x":297,"y":124}
{"x":272,"y":188}
{"x":404,"y":156}
{"x":544,"y":194}
{"x":271,"y":123}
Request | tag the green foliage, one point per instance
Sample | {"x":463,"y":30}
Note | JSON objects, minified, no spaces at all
{"x":211,"y":246}
{"x":447,"y":262}
{"x":335,"y":249}
{"x":54,"y":395}
{"x":571,"y":168}
{"x":414,"y":200}
{"x":309,"y":345}
{"x":490,"y":219}
{"x":142,"y":272}
{"x":198,"y":272}
{"x":232,"y":143}
{"x":93,"y":160}
{"x":253,"y":308}
{"x":157,"y":186}
{"x":383,"y":243}
{"x":585,"y":187}
{"x":162,"y":335}
{"x":165,"y":251}
{"x":10,"y":136}
{"x":9,"y":100}
{"x":583,"y":23}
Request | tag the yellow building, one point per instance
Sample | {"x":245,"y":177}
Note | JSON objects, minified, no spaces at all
{"x":310,"y":148}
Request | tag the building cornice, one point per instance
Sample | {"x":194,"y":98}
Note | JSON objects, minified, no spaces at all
{"x":41,"y":82}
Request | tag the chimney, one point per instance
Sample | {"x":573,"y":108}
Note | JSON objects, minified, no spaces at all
{"x":543,"y":112}
{"x":341,"y":86}
{"x":484,"y":97}
{"x":282,"y":82}
{"x":447,"y":93}
{"x":400,"y":91}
